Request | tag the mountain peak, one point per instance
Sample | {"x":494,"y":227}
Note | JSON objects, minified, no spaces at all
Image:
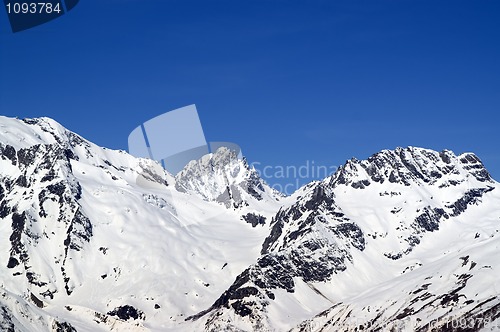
{"x":410,"y":165}
{"x":223,"y":177}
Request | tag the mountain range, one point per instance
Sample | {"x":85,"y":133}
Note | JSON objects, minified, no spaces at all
{"x":94,"y":239}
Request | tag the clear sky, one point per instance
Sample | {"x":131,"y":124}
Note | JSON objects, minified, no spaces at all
{"x":292,"y":82}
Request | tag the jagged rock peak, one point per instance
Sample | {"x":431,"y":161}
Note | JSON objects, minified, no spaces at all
{"x":223,"y":177}
{"x":221,"y":160}
{"x":411,"y":165}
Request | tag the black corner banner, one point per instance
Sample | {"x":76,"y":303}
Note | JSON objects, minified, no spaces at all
{"x":26,"y":14}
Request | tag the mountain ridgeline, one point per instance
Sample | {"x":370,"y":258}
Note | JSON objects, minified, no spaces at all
{"x":96,"y":240}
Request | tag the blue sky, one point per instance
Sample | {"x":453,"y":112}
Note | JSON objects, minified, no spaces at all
{"x":290,"y":81}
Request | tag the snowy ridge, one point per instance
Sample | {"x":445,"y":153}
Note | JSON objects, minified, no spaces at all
{"x":97,"y":240}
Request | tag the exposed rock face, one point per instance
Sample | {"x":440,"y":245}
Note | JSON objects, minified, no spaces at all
{"x":254,"y":219}
{"x":410,"y":165}
{"x":40,"y":189}
{"x":223,"y":178}
{"x":127,"y":312}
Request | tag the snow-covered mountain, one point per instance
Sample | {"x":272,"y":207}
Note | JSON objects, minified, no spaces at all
{"x":405,"y":237}
{"x":97,"y":240}
{"x":90,"y":233}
